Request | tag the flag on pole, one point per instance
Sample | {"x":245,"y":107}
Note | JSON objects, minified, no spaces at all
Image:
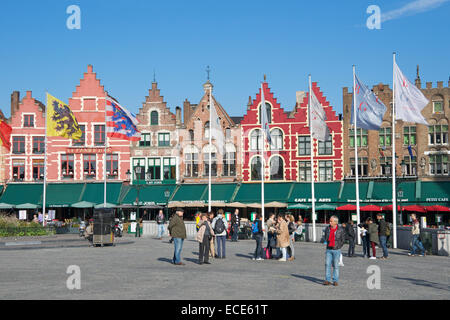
{"x":369,"y":109}
{"x":318,"y":126}
{"x":60,"y":120}
{"x":264,"y":117}
{"x":215,"y":128}
{"x":409,"y":100}
{"x":5,"y":134}
{"x":410,"y":152}
{"x":121,"y":123}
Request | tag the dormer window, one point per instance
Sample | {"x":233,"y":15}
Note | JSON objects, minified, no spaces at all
{"x":28,"y":121}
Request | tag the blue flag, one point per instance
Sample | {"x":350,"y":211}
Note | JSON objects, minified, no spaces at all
{"x":369,"y":109}
{"x":410,"y":152}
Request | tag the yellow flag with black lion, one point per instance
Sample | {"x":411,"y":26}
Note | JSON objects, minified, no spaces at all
{"x":60,"y":120}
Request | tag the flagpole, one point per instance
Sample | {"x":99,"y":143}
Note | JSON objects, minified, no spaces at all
{"x":263,"y":111}
{"x":394,"y":189}
{"x":104,"y":160}
{"x":358,"y":218}
{"x":44,"y":193}
{"x":313,"y":205}
{"x":210,"y":147}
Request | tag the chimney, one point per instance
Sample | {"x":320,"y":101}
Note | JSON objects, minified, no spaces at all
{"x":187,"y":110}
{"x":418,"y":84}
{"x":440,"y":84}
{"x":429,"y":85}
{"x":178,"y":115}
{"x":15,"y":99}
{"x":90,"y":68}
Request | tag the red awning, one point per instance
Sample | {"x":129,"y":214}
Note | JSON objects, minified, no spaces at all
{"x":389,"y":208}
{"x":438,"y":208}
{"x":415,"y":208}
{"x":348,"y":207}
{"x":370,"y":207}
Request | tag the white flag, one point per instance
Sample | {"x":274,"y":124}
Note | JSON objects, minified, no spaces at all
{"x":215,"y":128}
{"x":409,"y":100}
{"x":317,"y":117}
{"x":264,"y":117}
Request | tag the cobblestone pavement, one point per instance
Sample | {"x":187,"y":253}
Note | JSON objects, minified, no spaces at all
{"x":141,"y":269}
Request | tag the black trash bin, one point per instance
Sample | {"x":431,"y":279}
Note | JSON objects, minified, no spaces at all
{"x":103,"y":226}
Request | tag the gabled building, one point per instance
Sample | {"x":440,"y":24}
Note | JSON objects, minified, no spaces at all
{"x":287,"y":158}
{"x":195,"y":148}
{"x":157,"y":153}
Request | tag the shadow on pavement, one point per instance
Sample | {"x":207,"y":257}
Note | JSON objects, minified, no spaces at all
{"x":165,"y":260}
{"x":425,"y":283}
{"x":191,"y":260}
{"x":249,"y":256}
{"x":312,"y":279}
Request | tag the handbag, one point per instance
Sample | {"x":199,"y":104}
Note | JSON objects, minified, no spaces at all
{"x":273,"y":242}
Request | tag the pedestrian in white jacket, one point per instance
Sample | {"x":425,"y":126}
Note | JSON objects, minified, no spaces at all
{"x":220,"y":227}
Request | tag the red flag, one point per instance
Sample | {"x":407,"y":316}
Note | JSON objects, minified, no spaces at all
{"x":5,"y":134}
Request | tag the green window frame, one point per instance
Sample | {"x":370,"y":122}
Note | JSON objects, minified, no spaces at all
{"x":409,"y":135}
{"x":163,"y":139}
{"x":154,"y":168}
{"x":169,"y":169}
{"x":362,"y":137}
{"x":145,"y":140}
{"x":385,"y":136}
{"x":154,"y":121}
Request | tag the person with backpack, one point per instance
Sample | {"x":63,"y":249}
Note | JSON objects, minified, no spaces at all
{"x":416,"y":241}
{"x":257,"y":233}
{"x":271,"y":235}
{"x":220,"y":226}
{"x":204,"y":234}
{"x":383,"y":232}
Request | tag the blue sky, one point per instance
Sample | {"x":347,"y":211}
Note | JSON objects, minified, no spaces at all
{"x":241,"y":40}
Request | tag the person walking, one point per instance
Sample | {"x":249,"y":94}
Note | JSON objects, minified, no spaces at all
{"x":292,"y":227}
{"x":212,"y":247}
{"x":271,"y":235}
{"x":258,"y":234}
{"x":373,"y":236}
{"x":334,"y":239}
{"x":177,"y":230}
{"x":364,"y":229}
{"x":416,"y":241}
{"x":282,"y":232}
{"x":204,"y":235}
{"x":383,"y":231}
{"x":350,"y":236}
{"x":160,"y":221}
{"x":220,"y":226}
{"x":235,"y":221}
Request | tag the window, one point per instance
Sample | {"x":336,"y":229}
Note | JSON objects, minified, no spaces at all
{"x":277,"y":139}
{"x":82,"y":140}
{"x":325,"y":170}
{"x":38,"y":169}
{"x":363,"y":167}
{"x":304,"y":146}
{"x":28,"y":121}
{"x":145,"y":140}
{"x":361,"y":137}
{"x":256,"y":140}
{"x":191,"y":160}
{"x":269,"y":113}
{"x":409,"y":136}
{"x":438,"y":164}
{"x":139,"y":177}
{"x":99,"y":135}
{"x":191,"y":135}
{"x":169,"y":168}
{"x":228,"y":133}
{"x":256,"y":168}
{"x":112,"y":165}
{"x":38,"y":145}
{"x":326,"y":147}
{"x":229,"y":164}
{"x":410,"y":167}
{"x":385,"y":135}
{"x":438,"y":134}
{"x":207,"y":130}
{"x":385,"y":166}
{"x":154,"y":169}
{"x":18,"y":166}
{"x":18,"y":145}
{"x":276,"y":168}
{"x":304,"y":170}
{"x":213,"y":164}
{"x":89,"y":165}
{"x":163,"y":139}
{"x":67,"y":165}
{"x":438,"y":106}
{"x":154,"y":118}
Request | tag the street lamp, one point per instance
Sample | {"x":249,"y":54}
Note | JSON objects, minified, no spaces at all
{"x":167,"y":195}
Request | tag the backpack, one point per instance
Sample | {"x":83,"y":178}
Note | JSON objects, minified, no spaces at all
{"x":219,"y":226}
{"x":255,"y":227}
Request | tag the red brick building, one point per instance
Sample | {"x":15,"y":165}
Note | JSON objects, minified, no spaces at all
{"x":288,"y":156}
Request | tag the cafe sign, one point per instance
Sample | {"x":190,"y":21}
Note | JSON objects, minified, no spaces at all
{"x":88,"y":150}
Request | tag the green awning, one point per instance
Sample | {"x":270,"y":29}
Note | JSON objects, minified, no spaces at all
{"x":149,"y":195}
{"x":220,"y":193}
{"x":20,"y":193}
{"x":83,"y":205}
{"x":348,"y":194}
{"x":6,"y":206}
{"x":189,"y":193}
{"x":434,"y":192}
{"x":325,"y":192}
{"x":251,"y":192}
{"x":324,"y":207}
{"x":62,"y":194}
{"x":27,"y":206}
{"x":94,"y":192}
